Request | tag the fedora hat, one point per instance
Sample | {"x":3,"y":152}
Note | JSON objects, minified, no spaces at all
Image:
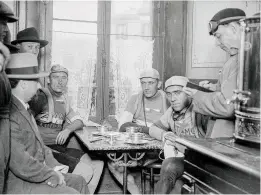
{"x":29,"y":35}
{"x":7,"y":13}
{"x":24,"y":66}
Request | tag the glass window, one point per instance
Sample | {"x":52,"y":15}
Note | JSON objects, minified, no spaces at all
{"x":131,"y":49}
{"x":74,"y":46}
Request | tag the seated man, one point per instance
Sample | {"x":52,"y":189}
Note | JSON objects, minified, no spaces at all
{"x":178,"y":120}
{"x":57,"y":121}
{"x":142,"y":110}
{"x":33,"y":169}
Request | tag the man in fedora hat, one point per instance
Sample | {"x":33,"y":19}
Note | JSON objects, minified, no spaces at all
{"x":224,"y":26}
{"x":28,"y":41}
{"x":33,"y":169}
{"x":6,"y":16}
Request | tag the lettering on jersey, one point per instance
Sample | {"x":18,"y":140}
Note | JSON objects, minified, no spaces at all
{"x":58,"y":118}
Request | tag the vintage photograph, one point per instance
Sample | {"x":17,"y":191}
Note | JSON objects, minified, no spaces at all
{"x":130,"y":97}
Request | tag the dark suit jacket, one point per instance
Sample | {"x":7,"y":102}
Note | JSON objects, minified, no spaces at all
{"x":30,"y":161}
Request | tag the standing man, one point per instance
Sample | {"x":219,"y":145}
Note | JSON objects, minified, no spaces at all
{"x":28,"y":41}
{"x":33,"y":169}
{"x":225,"y":28}
{"x":6,"y":16}
{"x":178,"y":120}
{"x":142,"y":110}
{"x":57,"y":122}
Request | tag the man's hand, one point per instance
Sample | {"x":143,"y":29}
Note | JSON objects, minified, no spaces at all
{"x":207,"y":85}
{"x":4,"y":56}
{"x":189,"y":91}
{"x":61,"y":178}
{"x":62,"y":136}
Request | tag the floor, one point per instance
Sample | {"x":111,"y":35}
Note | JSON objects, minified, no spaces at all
{"x":108,"y":185}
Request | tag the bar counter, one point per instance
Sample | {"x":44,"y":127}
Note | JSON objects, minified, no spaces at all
{"x":222,"y":166}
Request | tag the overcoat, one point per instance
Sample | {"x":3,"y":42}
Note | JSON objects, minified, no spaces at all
{"x":30,"y":160}
{"x":216,"y":104}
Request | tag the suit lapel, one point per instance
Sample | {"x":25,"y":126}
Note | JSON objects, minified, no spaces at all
{"x":28,"y":117}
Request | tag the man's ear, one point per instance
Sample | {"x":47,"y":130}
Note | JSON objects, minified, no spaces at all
{"x":159,"y":84}
{"x":234,"y":27}
{"x":48,"y":79}
{"x":23,"y":84}
{"x":18,"y":45}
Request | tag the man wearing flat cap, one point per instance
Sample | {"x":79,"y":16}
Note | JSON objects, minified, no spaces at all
{"x":33,"y":169}
{"x":57,"y":122}
{"x":28,"y":41}
{"x":224,"y":26}
{"x":178,"y":120}
{"x":6,"y":16}
{"x":142,"y":110}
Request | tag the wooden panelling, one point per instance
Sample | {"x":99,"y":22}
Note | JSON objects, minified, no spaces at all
{"x":175,"y":39}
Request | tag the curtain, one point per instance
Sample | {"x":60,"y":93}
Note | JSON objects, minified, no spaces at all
{"x":128,"y":59}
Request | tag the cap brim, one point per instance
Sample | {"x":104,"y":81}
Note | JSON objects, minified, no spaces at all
{"x":43,"y":43}
{"x":29,"y":76}
{"x":11,"y":19}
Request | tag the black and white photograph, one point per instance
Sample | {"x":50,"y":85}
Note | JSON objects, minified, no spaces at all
{"x":130,"y":97}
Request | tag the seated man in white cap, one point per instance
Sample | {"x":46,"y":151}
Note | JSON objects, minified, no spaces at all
{"x":57,"y":122}
{"x":178,"y":120}
{"x":142,"y":110}
{"x":33,"y":169}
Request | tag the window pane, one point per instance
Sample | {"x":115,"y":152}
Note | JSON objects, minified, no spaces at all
{"x":75,"y":10}
{"x":129,"y":54}
{"x":131,"y":17}
{"x":76,"y":27}
{"x":77,"y":52}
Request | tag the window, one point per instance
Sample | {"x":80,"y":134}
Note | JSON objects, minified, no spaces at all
{"x":74,"y":46}
{"x":104,"y":45}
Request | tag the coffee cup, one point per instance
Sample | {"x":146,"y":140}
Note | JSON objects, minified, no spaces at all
{"x":136,"y":137}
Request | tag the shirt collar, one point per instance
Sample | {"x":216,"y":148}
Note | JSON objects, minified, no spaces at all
{"x":26,"y":105}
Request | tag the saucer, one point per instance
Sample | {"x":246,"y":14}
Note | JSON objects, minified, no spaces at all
{"x":140,"y":142}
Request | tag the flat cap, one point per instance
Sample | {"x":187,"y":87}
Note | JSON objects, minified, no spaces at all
{"x":7,"y":13}
{"x":225,"y":16}
{"x":58,"y":68}
{"x":176,"y":80}
{"x":150,"y":73}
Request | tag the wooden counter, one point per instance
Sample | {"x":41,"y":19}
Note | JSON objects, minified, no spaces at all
{"x":222,"y":166}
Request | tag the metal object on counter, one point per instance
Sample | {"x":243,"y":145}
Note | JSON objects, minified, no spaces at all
{"x":247,"y":98}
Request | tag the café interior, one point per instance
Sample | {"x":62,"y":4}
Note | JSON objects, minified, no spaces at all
{"x":105,"y":46}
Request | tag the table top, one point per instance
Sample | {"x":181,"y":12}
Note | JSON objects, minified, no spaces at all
{"x":87,"y":136}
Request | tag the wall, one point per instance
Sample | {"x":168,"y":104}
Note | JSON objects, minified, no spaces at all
{"x":204,"y":58}
{"x":175,"y":39}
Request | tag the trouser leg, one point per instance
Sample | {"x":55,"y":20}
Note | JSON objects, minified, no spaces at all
{"x":97,"y":168}
{"x":118,"y":174}
{"x":172,"y":168}
{"x":77,"y":182}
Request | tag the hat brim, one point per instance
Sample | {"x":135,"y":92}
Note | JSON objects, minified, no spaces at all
{"x":43,"y":43}
{"x":29,"y":76}
{"x":11,"y":19}
{"x":12,"y":48}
